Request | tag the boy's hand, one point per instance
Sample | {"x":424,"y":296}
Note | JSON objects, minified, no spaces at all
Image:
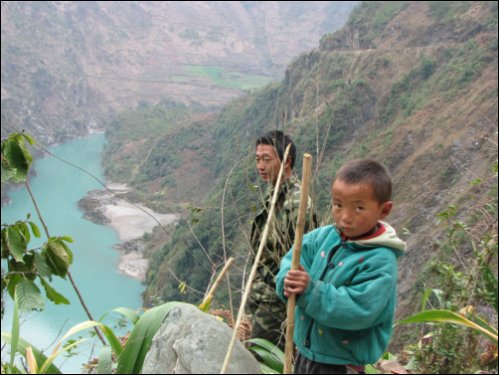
{"x":296,"y":281}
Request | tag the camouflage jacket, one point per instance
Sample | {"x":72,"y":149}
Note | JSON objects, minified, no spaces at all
{"x":280,"y":237}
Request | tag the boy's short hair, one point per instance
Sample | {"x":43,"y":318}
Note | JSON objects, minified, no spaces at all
{"x":279,"y":141}
{"x":368,"y":171}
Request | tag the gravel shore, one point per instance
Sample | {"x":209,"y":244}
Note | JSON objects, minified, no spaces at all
{"x":130,"y":221}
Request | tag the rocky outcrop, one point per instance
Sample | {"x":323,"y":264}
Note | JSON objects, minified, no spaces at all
{"x":193,"y":342}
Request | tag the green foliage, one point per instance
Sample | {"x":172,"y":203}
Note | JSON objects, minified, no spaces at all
{"x":140,"y":340}
{"x":447,"y":316}
{"x":38,"y":363}
{"x":220,"y":76}
{"x":130,"y":359}
{"x":24,"y":265}
{"x":402,"y":96}
{"x":447,"y":10}
{"x":371,"y":17}
{"x":21,"y":348}
{"x":468,"y":286}
{"x":386,"y":12}
{"x":337,"y":102}
{"x":140,"y":128}
{"x":461,"y":65}
{"x":16,"y":158}
{"x":271,"y":357}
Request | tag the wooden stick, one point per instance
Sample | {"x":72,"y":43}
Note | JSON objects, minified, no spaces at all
{"x":295,"y":262}
{"x":255,"y":264}
{"x":209,"y":296}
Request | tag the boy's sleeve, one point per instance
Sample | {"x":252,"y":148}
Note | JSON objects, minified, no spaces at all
{"x":305,"y":261}
{"x":360,"y":304}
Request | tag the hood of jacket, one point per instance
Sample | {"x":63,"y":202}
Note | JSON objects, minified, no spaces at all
{"x":388,"y":239}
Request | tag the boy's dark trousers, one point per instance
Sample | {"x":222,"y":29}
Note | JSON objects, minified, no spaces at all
{"x":306,"y":366}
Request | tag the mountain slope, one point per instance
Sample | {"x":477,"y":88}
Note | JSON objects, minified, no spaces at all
{"x":410,"y":84}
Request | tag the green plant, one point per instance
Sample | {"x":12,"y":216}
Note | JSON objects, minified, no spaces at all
{"x":466,"y":287}
{"x":271,"y":357}
{"x":24,"y":265}
{"x":131,"y":360}
{"x":38,"y":363}
{"x":446,"y":316}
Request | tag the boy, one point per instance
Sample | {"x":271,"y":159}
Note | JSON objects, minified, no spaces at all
{"x":346,"y":283}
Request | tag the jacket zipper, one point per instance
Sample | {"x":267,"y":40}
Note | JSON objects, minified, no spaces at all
{"x":329,"y":265}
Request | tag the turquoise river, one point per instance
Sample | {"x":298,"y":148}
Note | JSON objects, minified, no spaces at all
{"x":57,"y":188}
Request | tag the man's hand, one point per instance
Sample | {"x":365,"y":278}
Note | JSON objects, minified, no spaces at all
{"x":296,"y":281}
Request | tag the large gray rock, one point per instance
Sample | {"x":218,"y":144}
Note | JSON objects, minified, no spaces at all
{"x":193,"y":342}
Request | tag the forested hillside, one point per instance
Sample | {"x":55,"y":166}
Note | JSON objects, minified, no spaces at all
{"x":413,"y":84}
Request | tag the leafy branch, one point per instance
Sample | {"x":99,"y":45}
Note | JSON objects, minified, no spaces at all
{"x":24,"y":265}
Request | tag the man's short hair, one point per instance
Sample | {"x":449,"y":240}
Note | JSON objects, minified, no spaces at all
{"x":279,"y":141}
{"x":367,"y":171}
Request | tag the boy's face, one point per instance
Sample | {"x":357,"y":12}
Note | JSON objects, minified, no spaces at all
{"x":355,"y":209}
{"x":267,"y":163}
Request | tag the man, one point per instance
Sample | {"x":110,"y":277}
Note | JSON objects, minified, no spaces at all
{"x":268,"y":312}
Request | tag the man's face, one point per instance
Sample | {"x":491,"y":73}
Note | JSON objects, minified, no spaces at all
{"x":355,"y":208}
{"x":267,"y":163}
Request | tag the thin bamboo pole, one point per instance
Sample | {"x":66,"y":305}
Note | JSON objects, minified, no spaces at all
{"x":295,"y":262}
{"x":255,"y":264}
{"x":209,"y":295}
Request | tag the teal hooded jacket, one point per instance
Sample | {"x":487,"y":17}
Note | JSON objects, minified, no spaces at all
{"x":345,"y":315}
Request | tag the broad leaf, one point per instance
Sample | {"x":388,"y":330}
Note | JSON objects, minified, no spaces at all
{"x":17,"y":160}
{"x":24,"y":232}
{"x":29,"y":296}
{"x":112,"y":339}
{"x":26,"y":268}
{"x":67,"y":239}
{"x":267,"y":370}
{"x":268,"y":346}
{"x":28,"y":138}
{"x":11,"y":281}
{"x":53,"y":295}
{"x":268,"y":359}
{"x":59,"y":258}
{"x":140,"y":340}
{"x":32,"y":364}
{"x":270,"y":354}
{"x":23,"y":345}
{"x":16,"y":243}
{"x":35,"y":229}
{"x":15,"y":331}
{"x":447,"y":316}
{"x":8,"y":174}
{"x":42,"y":266}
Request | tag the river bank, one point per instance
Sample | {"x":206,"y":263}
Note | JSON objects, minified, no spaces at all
{"x":131,"y":222}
